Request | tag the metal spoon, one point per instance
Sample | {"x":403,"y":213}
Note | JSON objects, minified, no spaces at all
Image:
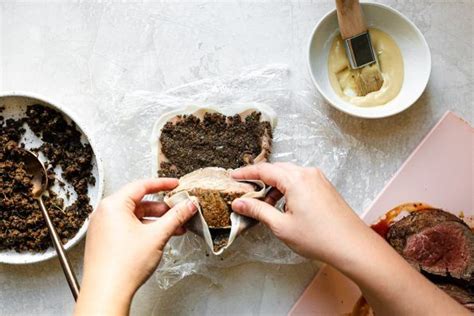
{"x":36,"y":168}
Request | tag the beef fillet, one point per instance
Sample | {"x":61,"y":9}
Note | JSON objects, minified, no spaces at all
{"x":436,"y":242}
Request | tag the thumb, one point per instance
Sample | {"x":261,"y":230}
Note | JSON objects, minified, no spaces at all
{"x":258,"y":210}
{"x":176,"y":217}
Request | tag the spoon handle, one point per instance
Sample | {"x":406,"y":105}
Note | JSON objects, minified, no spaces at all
{"x":68,"y":272}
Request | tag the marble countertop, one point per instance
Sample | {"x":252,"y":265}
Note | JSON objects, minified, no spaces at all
{"x":85,"y":55}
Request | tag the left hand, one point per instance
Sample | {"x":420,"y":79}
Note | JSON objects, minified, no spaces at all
{"x":123,"y":249}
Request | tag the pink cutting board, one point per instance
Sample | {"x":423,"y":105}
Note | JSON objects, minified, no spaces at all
{"x":439,"y":172}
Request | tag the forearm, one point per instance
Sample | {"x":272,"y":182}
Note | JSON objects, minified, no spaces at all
{"x":388,"y":282}
{"x":102,"y":298}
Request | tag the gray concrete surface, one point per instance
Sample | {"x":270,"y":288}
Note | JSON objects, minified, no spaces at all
{"x":89,"y":55}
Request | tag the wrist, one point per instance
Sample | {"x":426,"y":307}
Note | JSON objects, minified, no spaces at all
{"x":348,"y":242}
{"x":101,"y":296}
{"x":366,"y":252}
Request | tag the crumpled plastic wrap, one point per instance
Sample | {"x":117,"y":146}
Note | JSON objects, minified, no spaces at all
{"x":303,"y":136}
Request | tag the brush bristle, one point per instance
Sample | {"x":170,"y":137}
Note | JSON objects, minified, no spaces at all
{"x":367,"y":79}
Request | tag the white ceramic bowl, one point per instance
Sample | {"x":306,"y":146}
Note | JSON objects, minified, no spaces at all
{"x":14,"y":102}
{"x":415,"y":52}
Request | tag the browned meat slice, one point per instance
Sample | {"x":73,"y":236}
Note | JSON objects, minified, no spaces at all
{"x":436,"y":242}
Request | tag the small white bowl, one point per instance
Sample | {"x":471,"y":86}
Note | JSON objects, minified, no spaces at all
{"x":415,"y":52}
{"x":15,"y":101}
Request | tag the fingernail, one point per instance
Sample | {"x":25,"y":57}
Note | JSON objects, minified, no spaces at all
{"x":238,"y":204}
{"x":191,"y":207}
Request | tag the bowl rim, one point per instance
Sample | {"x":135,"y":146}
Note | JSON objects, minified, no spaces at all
{"x":41,"y":257}
{"x":370,"y":114}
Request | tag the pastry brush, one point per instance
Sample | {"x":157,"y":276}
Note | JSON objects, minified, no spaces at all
{"x":359,"y":50}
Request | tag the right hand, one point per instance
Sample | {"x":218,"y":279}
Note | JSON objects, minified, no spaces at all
{"x":317,"y":221}
{"x":319,"y":224}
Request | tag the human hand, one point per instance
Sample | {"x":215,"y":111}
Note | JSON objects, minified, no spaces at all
{"x":123,"y":249}
{"x":317,"y":222}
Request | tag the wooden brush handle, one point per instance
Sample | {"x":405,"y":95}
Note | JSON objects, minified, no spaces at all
{"x":350,"y":17}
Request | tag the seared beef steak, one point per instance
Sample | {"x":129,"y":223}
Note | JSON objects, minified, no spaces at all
{"x":439,"y":244}
{"x":436,"y":242}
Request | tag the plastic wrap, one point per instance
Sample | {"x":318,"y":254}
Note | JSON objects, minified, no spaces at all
{"x":303,"y":136}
